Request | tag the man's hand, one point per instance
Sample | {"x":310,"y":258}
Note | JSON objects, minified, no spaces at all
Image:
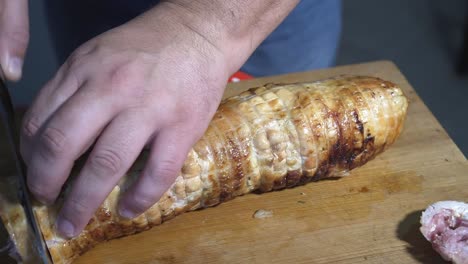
{"x":147,"y":82}
{"x":155,"y":81}
{"x":14,"y":36}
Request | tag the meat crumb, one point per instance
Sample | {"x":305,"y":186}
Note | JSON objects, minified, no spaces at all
{"x":260,"y":214}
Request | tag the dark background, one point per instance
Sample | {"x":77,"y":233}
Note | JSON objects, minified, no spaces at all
{"x":422,"y":37}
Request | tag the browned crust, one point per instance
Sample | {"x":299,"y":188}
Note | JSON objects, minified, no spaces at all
{"x":268,"y":138}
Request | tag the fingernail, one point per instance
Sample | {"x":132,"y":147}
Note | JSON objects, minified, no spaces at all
{"x":65,"y":227}
{"x":15,"y":65}
{"x":126,"y":213}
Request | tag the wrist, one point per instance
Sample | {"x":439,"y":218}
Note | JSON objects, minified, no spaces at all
{"x":231,"y":44}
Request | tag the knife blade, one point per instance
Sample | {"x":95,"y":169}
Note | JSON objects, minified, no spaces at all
{"x":8,"y":117}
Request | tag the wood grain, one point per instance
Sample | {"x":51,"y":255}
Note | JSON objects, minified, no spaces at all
{"x":372,"y":216}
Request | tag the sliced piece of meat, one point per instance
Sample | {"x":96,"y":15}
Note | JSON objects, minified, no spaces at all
{"x":445,"y":225}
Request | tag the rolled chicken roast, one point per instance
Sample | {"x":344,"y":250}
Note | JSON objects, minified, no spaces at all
{"x":268,"y":138}
{"x":445,"y":225}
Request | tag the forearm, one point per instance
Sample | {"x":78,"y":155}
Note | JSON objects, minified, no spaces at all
{"x":234,"y":27}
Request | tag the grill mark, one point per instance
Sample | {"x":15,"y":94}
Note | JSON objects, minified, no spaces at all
{"x":324,"y":165}
{"x":293,"y":177}
{"x":376,"y":118}
{"x":355,"y":124}
{"x":354,"y":100}
{"x":356,"y":152}
{"x":239,"y":152}
{"x":312,"y":128}
{"x":366,"y":152}
{"x":225,"y":193}
{"x":300,"y":124}
{"x":358,"y":122}
{"x":248,"y":151}
{"x":368,"y":141}
{"x":221,"y":162}
{"x":236,"y":158}
{"x":338,"y":150}
{"x":321,"y":171}
{"x":343,"y":148}
{"x":393,"y":112}
{"x":384,"y":108}
{"x":342,"y":153}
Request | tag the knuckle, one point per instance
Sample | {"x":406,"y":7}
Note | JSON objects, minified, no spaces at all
{"x":52,"y":142}
{"x":74,"y":61}
{"x":29,"y":127}
{"x":78,"y":207}
{"x":124,"y":76}
{"x":106,"y":162}
{"x":74,"y":79}
{"x":41,"y":191}
{"x":166,"y":168}
{"x":89,"y":47}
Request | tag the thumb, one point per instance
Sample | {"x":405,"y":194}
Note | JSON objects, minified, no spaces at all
{"x":14,"y":36}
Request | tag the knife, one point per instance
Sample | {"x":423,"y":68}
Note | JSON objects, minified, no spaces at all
{"x":7,"y":114}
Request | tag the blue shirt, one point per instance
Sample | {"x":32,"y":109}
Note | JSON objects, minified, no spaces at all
{"x":307,"y":39}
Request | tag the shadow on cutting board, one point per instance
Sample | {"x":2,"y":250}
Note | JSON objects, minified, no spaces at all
{"x":418,"y":246}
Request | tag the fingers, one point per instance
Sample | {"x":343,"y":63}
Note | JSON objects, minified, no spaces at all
{"x":114,"y":153}
{"x":57,"y":91}
{"x":14,"y":36}
{"x":61,"y":140}
{"x":169,"y":151}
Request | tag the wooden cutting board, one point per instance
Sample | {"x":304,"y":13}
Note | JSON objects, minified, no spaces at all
{"x":371,"y":216}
